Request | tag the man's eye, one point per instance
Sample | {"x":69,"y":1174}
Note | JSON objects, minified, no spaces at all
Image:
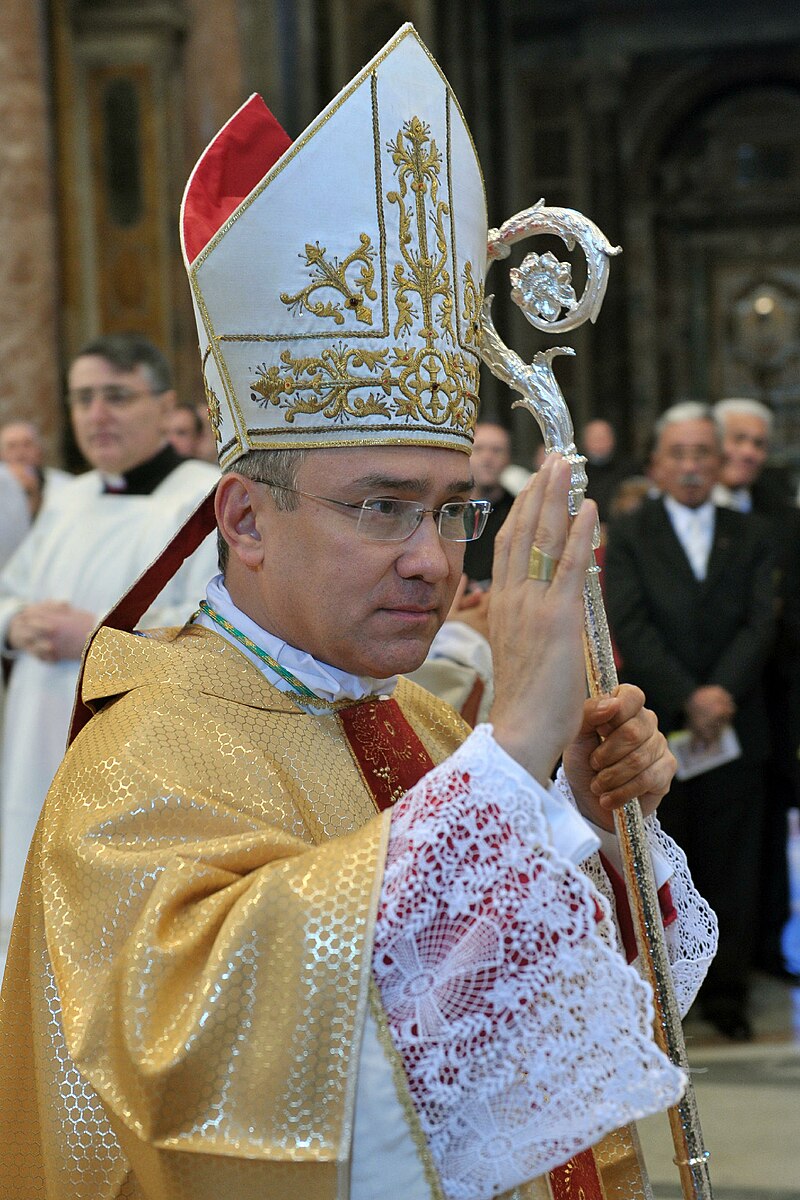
{"x":384,"y":508}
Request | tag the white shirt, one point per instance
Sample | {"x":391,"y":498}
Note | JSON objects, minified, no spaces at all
{"x":694,"y":529}
{"x":739,"y":499}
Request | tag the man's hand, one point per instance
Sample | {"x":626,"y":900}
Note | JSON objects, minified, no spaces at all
{"x":471,"y":608}
{"x":535,"y":626}
{"x":708,"y":710}
{"x":633,"y":759}
{"x":51,"y":630}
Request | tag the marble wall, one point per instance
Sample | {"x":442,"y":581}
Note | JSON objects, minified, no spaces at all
{"x":29,"y":371}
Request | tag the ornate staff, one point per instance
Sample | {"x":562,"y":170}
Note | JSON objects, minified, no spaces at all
{"x":542,"y":288}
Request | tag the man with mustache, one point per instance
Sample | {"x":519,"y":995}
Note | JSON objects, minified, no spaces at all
{"x":689,"y":590}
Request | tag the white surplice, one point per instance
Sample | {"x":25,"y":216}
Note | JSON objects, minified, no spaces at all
{"x":86,"y":547}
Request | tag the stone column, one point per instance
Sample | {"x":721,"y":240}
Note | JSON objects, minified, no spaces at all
{"x":29,"y":371}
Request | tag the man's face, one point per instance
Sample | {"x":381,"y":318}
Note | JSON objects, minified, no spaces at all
{"x":745,"y":445}
{"x":19,"y":443}
{"x":491,"y":454}
{"x":598,"y":441}
{"x":686,"y":461}
{"x":367,"y":607}
{"x":181,"y":427}
{"x":117,"y":418}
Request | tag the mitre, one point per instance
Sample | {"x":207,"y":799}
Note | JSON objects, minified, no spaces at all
{"x":338,"y":280}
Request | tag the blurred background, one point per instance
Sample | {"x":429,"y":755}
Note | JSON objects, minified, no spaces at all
{"x":674,"y":125}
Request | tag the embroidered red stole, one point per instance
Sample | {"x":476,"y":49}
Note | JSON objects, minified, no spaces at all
{"x":390,"y":756}
{"x":391,"y":759}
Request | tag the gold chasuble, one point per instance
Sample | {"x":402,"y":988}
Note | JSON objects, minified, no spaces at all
{"x":190,"y":964}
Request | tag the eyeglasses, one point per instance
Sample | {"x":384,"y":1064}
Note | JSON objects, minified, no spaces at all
{"x":691,"y":453}
{"x":110,"y":394}
{"x":389,"y":520}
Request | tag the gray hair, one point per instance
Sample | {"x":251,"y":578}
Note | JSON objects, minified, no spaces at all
{"x":745,"y":407}
{"x":687,"y":410}
{"x":280,"y":467}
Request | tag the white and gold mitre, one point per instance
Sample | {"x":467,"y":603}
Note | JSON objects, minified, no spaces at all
{"x":338,"y":280}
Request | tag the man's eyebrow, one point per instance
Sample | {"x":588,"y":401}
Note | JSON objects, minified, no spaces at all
{"x":402,"y":483}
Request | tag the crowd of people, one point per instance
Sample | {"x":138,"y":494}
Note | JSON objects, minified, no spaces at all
{"x":701,"y":565}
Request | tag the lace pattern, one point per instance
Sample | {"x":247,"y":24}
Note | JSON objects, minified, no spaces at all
{"x":692,"y":939}
{"x":523,"y":1034}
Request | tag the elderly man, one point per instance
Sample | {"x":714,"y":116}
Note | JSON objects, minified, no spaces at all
{"x":690,"y":600}
{"x":748,"y":485}
{"x":21,"y":446}
{"x":303,"y":935}
{"x":91,"y":540}
{"x":746,"y":427}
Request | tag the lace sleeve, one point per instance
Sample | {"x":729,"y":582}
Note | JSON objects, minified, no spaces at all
{"x":692,"y":939}
{"x":524,"y":1036}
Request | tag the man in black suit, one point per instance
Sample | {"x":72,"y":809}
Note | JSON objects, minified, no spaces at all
{"x":689,"y":588}
{"x":748,"y":484}
{"x":491,"y":454}
{"x":606,"y":467}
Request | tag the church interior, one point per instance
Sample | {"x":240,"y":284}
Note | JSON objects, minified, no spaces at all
{"x":672,"y":125}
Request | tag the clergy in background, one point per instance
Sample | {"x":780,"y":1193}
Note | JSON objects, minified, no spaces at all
{"x":94,"y":535}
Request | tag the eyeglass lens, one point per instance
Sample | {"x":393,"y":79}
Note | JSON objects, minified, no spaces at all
{"x":460,"y":521}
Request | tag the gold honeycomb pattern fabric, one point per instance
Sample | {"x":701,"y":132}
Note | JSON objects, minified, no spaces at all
{"x":189,"y":966}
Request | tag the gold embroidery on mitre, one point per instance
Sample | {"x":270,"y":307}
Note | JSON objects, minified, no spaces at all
{"x":417,"y":166}
{"x":425,"y":384}
{"x":333,"y":274}
{"x":473,"y":303}
{"x":212,"y":402}
{"x":435,"y":385}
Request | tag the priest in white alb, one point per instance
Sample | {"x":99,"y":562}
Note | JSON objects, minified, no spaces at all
{"x":94,"y":535}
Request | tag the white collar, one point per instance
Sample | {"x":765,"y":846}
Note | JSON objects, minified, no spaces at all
{"x":327,"y":682}
{"x":739,"y":498}
{"x":703,"y":515}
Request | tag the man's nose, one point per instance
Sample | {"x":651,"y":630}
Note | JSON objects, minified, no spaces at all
{"x":424,"y":554}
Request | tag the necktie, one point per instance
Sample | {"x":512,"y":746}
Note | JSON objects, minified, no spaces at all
{"x":696,"y":546}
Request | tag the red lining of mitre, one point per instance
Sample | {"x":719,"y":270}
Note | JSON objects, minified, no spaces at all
{"x":239,"y":157}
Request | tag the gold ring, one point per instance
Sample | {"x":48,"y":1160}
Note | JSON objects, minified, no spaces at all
{"x":541,"y":566}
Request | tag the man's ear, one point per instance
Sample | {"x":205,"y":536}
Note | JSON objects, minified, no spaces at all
{"x":236,"y":504}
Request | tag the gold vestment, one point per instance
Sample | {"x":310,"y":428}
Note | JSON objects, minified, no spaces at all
{"x":189,"y":965}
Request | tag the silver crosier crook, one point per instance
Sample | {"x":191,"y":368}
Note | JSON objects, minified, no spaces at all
{"x":542,"y":288}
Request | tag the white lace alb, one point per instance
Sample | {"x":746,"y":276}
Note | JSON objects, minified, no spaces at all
{"x":523,"y":1034}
